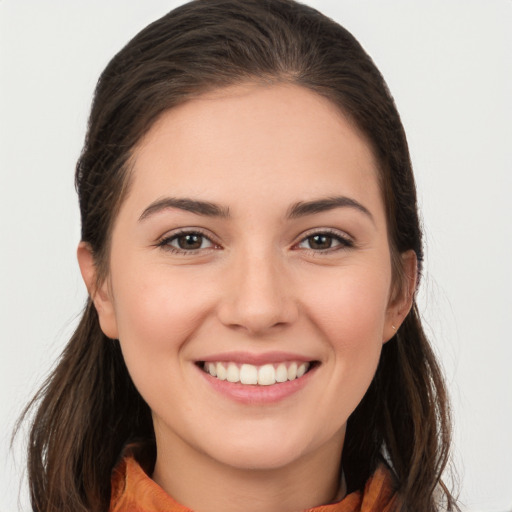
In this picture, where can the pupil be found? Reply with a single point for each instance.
(190, 242)
(320, 242)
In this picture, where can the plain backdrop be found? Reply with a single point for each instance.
(448, 64)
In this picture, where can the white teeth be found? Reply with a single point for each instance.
(281, 373)
(248, 374)
(292, 371)
(265, 375)
(211, 369)
(301, 370)
(233, 374)
(221, 371)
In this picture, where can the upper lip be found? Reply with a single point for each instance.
(256, 359)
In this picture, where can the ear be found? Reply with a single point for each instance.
(401, 302)
(100, 294)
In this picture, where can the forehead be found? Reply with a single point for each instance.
(264, 140)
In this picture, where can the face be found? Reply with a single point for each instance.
(250, 279)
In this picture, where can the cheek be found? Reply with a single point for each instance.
(157, 313)
(351, 318)
(352, 311)
(156, 317)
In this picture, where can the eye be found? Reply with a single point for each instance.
(324, 241)
(186, 241)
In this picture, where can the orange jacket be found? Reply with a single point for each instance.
(134, 491)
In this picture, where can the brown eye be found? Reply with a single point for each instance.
(186, 242)
(320, 242)
(190, 242)
(324, 242)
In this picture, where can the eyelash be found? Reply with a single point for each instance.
(165, 242)
(343, 241)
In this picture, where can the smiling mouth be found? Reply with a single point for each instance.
(264, 375)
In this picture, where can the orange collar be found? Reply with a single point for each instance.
(134, 491)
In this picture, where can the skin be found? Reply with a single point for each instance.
(256, 284)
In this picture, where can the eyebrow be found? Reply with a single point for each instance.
(297, 210)
(204, 208)
(304, 208)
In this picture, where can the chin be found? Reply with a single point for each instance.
(258, 458)
(264, 451)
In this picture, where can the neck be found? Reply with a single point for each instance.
(203, 484)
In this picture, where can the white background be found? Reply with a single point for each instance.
(449, 66)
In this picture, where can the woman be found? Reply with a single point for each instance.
(251, 247)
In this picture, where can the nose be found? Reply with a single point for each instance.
(258, 295)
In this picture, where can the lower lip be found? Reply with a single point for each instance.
(259, 395)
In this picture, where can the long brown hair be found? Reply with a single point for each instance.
(88, 409)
